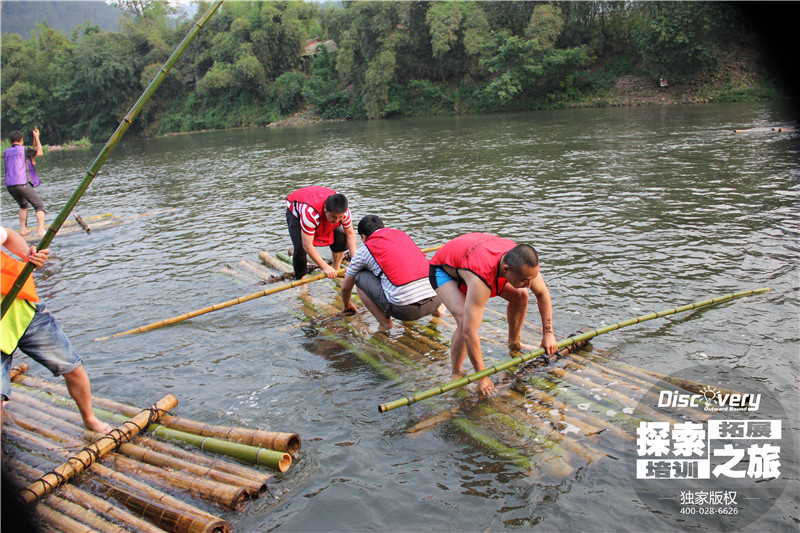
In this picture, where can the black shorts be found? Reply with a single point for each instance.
(26, 196)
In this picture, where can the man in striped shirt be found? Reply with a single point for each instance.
(318, 216)
(390, 274)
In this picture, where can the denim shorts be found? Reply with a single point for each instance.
(46, 343)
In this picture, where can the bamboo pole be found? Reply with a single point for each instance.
(566, 342)
(96, 450)
(230, 303)
(18, 370)
(160, 508)
(89, 500)
(105, 152)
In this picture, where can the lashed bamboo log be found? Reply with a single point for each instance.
(69, 422)
(270, 261)
(498, 415)
(89, 500)
(257, 270)
(96, 450)
(273, 440)
(217, 464)
(87, 518)
(18, 370)
(220, 493)
(191, 518)
(241, 276)
(61, 522)
(162, 509)
(105, 152)
(441, 389)
(278, 460)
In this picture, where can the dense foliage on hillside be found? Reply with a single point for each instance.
(20, 17)
(253, 64)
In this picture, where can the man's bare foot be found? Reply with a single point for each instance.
(521, 348)
(440, 311)
(384, 326)
(97, 425)
(24, 232)
(42, 232)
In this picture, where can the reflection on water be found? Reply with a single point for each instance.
(632, 210)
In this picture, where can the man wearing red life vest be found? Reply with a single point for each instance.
(318, 216)
(470, 269)
(29, 327)
(21, 178)
(390, 274)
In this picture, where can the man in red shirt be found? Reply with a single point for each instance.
(318, 216)
(470, 269)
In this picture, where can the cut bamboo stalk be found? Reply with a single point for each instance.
(61, 522)
(89, 500)
(257, 270)
(152, 499)
(502, 450)
(18, 370)
(213, 491)
(241, 276)
(270, 261)
(96, 450)
(87, 518)
(69, 422)
(243, 452)
(217, 464)
(273, 440)
(218, 493)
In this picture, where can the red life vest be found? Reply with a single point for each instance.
(315, 197)
(399, 258)
(479, 253)
(8, 275)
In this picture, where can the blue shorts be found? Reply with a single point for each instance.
(46, 343)
(438, 276)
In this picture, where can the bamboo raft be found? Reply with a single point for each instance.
(129, 481)
(88, 224)
(554, 415)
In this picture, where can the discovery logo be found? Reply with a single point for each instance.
(713, 400)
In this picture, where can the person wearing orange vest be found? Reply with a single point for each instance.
(28, 327)
(474, 267)
(390, 274)
(318, 216)
(21, 178)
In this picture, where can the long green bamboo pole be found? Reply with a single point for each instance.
(230, 303)
(441, 389)
(106, 151)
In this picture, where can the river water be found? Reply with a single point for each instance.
(632, 210)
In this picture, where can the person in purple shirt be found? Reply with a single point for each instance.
(21, 178)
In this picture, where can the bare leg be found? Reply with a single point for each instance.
(81, 391)
(40, 222)
(454, 301)
(23, 222)
(338, 257)
(516, 311)
(385, 324)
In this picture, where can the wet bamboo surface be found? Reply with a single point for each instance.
(551, 418)
(142, 484)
